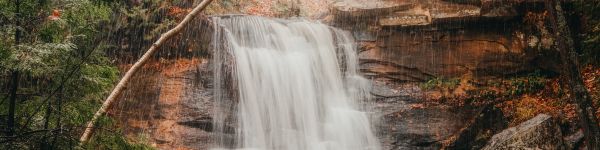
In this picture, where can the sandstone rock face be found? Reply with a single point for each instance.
(400, 41)
(172, 102)
(420, 54)
(170, 105)
(541, 132)
(415, 40)
(426, 12)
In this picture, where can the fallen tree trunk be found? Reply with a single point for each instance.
(571, 75)
(123, 82)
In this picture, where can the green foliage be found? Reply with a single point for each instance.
(4, 55)
(113, 139)
(64, 60)
(441, 83)
(591, 33)
(52, 31)
(139, 23)
(39, 59)
(528, 84)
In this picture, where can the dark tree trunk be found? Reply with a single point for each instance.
(571, 75)
(45, 143)
(58, 116)
(12, 102)
(48, 115)
(14, 77)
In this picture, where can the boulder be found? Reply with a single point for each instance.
(541, 132)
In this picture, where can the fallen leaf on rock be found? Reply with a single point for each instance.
(417, 106)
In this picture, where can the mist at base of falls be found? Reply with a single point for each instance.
(294, 86)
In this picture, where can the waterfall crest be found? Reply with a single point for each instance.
(295, 86)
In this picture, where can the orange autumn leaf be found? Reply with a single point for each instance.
(417, 106)
(55, 15)
(176, 11)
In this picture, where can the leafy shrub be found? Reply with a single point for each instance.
(440, 83)
(529, 84)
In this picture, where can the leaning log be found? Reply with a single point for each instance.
(123, 82)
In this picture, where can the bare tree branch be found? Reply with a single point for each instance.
(121, 85)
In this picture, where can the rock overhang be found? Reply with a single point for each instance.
(411, 13)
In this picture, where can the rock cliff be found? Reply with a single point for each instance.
(400, 41)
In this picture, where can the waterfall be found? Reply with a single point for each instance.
(288, 85)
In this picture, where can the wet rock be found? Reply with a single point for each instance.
(171, 104)
(412, 17)
(500, 12)
(203, 124)
(422, 128)
(420, 54)
(541, 132)
(451, 38)
(437, 126)
(404, 122)
(487, 122)
(445, 12)
(406, 44)
(471, 2)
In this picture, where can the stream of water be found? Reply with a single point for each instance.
(295, 86)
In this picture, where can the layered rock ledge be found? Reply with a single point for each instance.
(416, 40)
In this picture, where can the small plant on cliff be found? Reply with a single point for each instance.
(441, 83)
(528, 84)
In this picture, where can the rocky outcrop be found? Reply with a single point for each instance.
(421, 128)
(368, 8)
(419, 54)
(409, 121)
(417, 40)
(427, 12)
(170, 105)
(401, 41)
(488, 121)
(541, 132)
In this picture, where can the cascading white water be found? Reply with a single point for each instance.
(296, 84)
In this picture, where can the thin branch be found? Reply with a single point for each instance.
(121, 85)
